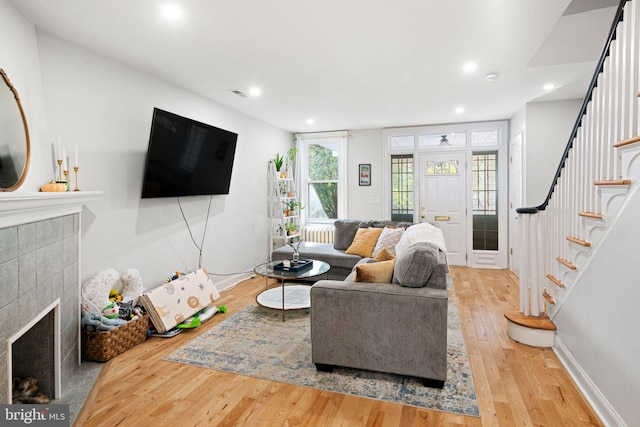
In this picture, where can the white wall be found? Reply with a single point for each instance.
(598, 321)
(548, 126)
(365, 202)
(19, 59)
(105, 108)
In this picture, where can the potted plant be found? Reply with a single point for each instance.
(291, 228)
(278, 161)
(291, 159)
(291, 205)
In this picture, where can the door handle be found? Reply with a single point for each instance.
(442, 218)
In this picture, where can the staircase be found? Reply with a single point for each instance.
(598, 172)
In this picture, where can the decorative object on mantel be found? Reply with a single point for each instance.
(15, 165)
(53, 187)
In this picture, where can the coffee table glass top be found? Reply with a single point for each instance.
(318, 268)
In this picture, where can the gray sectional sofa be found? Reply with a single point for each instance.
(399, 326)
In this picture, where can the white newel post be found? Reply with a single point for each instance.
(529, 270)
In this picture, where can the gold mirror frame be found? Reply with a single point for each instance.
(27, 160)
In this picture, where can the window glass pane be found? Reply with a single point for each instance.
(485, 201)
(484, 138)
(402, 142)
(322, 200)
(323, 161)
(442, 141)
(402, 187)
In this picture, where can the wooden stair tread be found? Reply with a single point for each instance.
(567, 263)
(542, 322)
(555, 280)
(614, 182)
(626, 142)
(591, 215)
(579, 242)
(548, 298)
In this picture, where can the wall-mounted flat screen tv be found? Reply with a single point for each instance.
(187, 157)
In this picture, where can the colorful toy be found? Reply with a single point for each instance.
(100, 323)
(111, 311)
(202, 316)
(114, 296)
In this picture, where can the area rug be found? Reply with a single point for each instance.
(256, 342)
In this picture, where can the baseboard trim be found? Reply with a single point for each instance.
(601, 406)
(223, 283)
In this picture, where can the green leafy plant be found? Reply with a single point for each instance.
(278, 161)
(291, 154)
(291, 228)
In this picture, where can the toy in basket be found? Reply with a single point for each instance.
(101, 346)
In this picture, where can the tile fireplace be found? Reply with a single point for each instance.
(40, 288)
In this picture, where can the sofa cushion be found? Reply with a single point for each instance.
(384, 255)
(388, 239)
(415, 265)
(345, 231)
(364, 242)
(375, 272)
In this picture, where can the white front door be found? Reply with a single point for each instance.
(443, 199)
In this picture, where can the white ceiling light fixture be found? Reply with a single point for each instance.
(470, 67)
(491, 77)
(310, 121)
(255, 91)
(459, 110)
(171, 12)
(549, 86)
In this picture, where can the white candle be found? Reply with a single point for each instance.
(76, 164)
(59, 150)
(64, 159)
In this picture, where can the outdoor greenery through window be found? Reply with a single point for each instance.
(402, 187)
(322, 183)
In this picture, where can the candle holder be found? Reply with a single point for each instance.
(75, 169)
(66, 179)
(60, 170)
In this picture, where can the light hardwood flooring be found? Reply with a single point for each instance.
(516, 385)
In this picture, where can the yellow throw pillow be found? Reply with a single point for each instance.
(375, 272)
(384, 255)
(364, 242)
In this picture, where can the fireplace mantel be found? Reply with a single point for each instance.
(20, 208)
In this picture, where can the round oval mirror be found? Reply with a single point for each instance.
(15, 152)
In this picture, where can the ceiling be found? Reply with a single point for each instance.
(348, 64)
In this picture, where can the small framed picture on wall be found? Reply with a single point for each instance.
(364, 170)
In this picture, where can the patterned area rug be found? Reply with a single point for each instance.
(256, 343)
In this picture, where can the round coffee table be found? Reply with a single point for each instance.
(290, 297)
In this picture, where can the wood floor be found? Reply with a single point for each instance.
(516, 385)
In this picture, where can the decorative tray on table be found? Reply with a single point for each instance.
(303, 264)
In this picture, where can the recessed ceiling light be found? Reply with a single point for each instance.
(310, 121)
(459, 110)
(171, 12)
(255, 91)
(470, 66)
(549, 86)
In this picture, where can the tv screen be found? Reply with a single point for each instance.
(187, 157)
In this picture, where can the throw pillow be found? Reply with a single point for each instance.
(415, 265)
(345, 231)
(384, 255)
(388, 239)
(375, 272)
(364, 242)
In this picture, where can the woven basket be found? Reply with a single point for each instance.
(101, 346)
